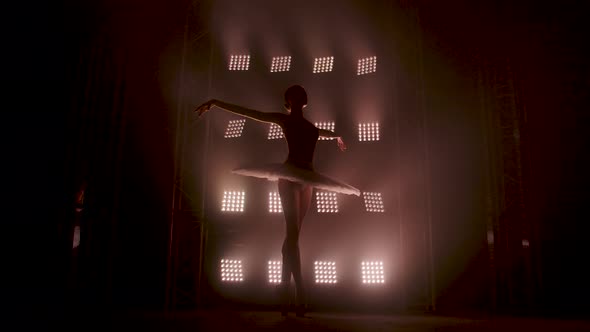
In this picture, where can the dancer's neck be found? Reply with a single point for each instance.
(296, 112)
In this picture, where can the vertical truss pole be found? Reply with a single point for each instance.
(398, 203)
(524, 227)
(424, 118)
(202, 214)
(170, 295)
(512, 226)
(490, 198)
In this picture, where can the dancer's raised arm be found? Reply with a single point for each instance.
(277, 118)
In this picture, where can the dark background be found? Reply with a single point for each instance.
(86, 104)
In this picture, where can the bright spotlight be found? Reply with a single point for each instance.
(327, 126)
(234, 128)
(233, 201)
(372, 272)
(231, 270)
(239, 62)
(326, 202)
(323, 65)
(325, 272)
(367, 65)
(373, 202)
(369, 131)
(275, 131)
(280, 63)
(274, 272)
(274, 202)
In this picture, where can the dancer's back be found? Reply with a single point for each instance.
(302, 137)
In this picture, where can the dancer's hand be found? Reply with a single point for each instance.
(341, 144)
(204, 107)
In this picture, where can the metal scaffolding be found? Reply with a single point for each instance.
(509, 230)
(187, 226)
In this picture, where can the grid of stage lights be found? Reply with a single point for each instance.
(372, 273)
(239, 62)
(234, 128)
(367, 65)
(280, 63)
(326, 202)
(274, 202)
(325, 272)
(275, 131)
(231, 270)
(233, 201)
(369, 131)
(323, 65)
(274, 272)
(373, 202)
(327, 126)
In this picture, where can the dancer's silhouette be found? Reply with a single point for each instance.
(296, 177)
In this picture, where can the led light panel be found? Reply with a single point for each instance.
(274, 202)
(373, 202)
(233, 201)
(231, 270)
(234, 128)
(367, 65)
(327, 126)
(326, 202)
(369, 131)
(323, 65)
(239, 62)
(275, 131)
(274, 272)
(372, 272)
(325, 272)
(280, 63)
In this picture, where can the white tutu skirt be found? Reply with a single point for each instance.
(287, 171)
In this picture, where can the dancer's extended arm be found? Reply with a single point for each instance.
(331, 134)
(243, 111)
(328, 133)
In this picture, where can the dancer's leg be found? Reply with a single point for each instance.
(289, 193)
(304, 202)
(305, 196)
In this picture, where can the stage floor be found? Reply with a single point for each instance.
(226, 320)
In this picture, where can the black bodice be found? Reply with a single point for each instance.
(302, 137)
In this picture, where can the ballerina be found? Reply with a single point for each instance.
(296, 177)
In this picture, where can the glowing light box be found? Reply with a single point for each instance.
(274, 202)
(372, 272)
(231, 270)
(367, 65)
(369, 131)
(373, 202)
(275, 131)
(280, 64)
(239, 62)
(274, 272)
(234, 128)
(326, 202)
(233, 201)
(323, 65)
(325, 272)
